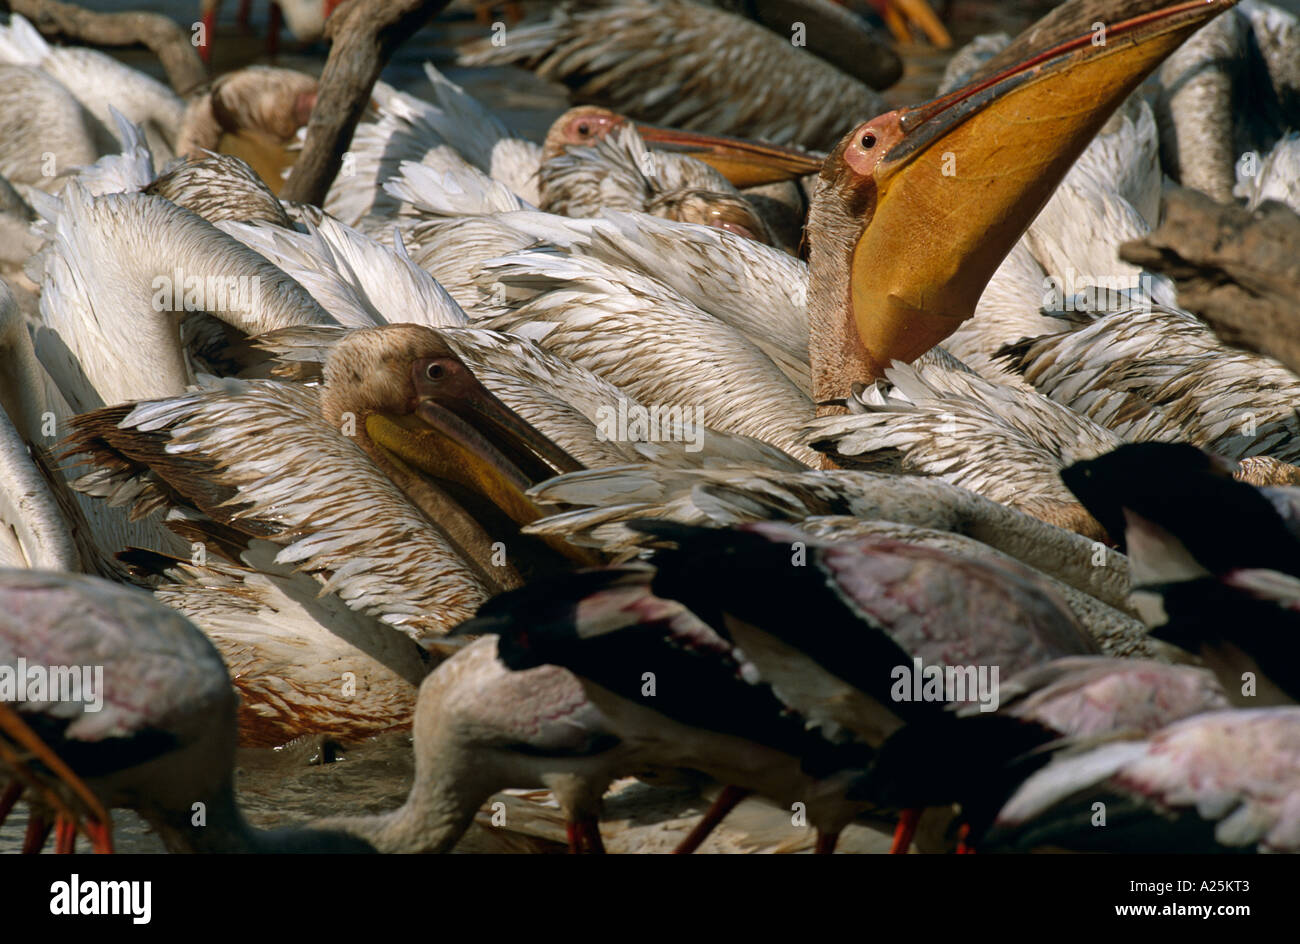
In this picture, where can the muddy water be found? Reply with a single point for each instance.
(284, 788)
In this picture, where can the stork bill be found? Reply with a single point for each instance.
(931, 198)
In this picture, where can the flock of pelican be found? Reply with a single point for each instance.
(745, 434)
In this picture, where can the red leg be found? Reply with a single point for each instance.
(242, 17)
(38, 830)
(584, 836)
(592, 843)
(907, 821)
(727, 801)
(9, 798)
(65, 836)
(101, 836)
(826, 843)
(963, 840)
(209, 34)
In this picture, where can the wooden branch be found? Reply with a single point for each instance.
(1239, 271)
(167, 39)
(364, 35)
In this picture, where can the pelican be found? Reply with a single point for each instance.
(454, 130)
(220, 187)
(662, 45)
(865, 262)
(254, 113)
(1210, 79)
(72, 93)
(619, 173)
(1161, 374)
(379, 501)
(99, 84)
(1010, 444)
(1277, 177)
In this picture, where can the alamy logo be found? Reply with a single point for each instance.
(22, 682)
(946, 683)
(632, 422)
(75, 897)
(1096, 293)
(181, 291)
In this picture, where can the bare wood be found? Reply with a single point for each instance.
(1239, 271)
(168, 40)
(364, 35)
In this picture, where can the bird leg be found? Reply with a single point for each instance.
(38, 830)
(907, 822)
(963, 840)
(101, 836)
(919, 12)
(894, 22)
(9, 798)
(826, 843)
(65, 835)
(899, 15)
(584, 836)
(209, 21)
(18, 732)
(726, 801)
(242, 18)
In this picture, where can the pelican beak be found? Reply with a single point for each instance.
(959, 179)
(743, 163)
(472, 439)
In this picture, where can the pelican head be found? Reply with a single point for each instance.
(743, 163)
(915, 209)
(253, 114)
(456, 450)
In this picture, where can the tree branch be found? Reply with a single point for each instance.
(169, 41)
(364, 35)
(1239, 271)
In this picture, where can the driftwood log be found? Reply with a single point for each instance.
(166, 38)
(1239, 271)
(364, 34)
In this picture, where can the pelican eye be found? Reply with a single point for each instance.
(868, 140)
(434, 371)
(584, 129)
